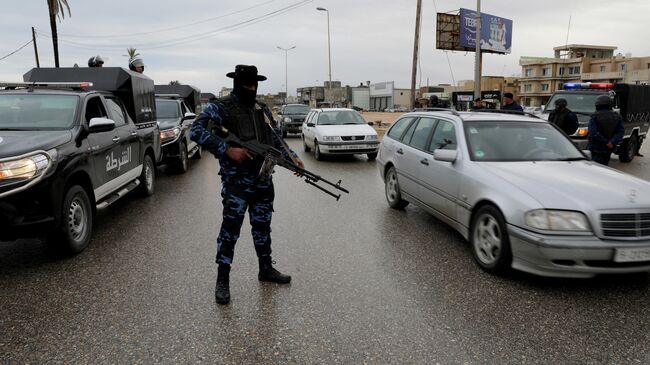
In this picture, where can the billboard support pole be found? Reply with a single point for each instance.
(414, 70)
(478, 61)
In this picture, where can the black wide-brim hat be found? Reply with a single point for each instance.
(246, 73)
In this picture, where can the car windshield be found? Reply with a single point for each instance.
(37, 112)
(340, 117)
(518, 141)
(296, 109)
(167, 109)
(576, 102)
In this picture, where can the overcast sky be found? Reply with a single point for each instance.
(199, 41)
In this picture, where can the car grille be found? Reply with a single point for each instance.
(353, 138)
(625, 225)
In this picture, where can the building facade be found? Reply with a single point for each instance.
(384, 95)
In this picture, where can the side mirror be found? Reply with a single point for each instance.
(587, 153)
(371, 124)
(445, 155)
(311, 125)
(100, 125)
(189, 115)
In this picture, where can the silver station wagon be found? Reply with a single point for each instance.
(519, 191)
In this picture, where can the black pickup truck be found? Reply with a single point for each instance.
(176, 108)
(73, 140)
(291, 117)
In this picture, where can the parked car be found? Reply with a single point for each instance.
(519, 191)
(69, 148)
(338, 131)
(291, 117)
(175, 120)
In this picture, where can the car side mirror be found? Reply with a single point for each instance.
(189, 115)
(371, 124)
(311, 125)
(100, 125)
(445, 155)
(587, 153)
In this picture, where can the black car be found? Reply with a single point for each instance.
(68, 148)
(175, 119)
(290, 118)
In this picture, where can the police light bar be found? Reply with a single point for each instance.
(74, 85)
(587, 85)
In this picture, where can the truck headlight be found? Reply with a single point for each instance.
(557, 220)
(287, 120)
(24, 168)
(331, 138)
(371, 138)
(582, 132)
(169, 133)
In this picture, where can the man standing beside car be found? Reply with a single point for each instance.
(241, 188)
(509, 103)
(564, 118)
(606, 130)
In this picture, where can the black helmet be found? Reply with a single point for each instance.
(561, 102)
(95, 61)
(136, 62)
(603, 100)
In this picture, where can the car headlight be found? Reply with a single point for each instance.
(371, 138)
(557, 220)
(24, 168)
(331, 138)
(170, 133)
(287, 120)
(582, 132)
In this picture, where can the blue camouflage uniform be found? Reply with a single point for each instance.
(240, 188)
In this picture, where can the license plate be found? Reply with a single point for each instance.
(632, 254)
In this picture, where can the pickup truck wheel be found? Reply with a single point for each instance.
(147, 177)
(629, 149)
(284, 133)
(197, 154)
(76, 221)
(181, 165)
(304, 145)
(393, 192)
(372, 156)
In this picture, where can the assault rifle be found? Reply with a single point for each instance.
(272, 156)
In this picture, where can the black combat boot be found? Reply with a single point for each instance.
(222, 290)
(268, 273)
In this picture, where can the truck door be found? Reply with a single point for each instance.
(101, 146)
(127, 150)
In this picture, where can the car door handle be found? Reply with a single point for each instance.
(116, 139)
(400, 152)
(424, 161)
(134, 133)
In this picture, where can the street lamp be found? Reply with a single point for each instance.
(329, 54)
(286, 72)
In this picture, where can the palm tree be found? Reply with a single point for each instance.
(57, 10)
(131, 53)
(174, 82)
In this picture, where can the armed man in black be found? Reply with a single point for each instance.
(242, 188)
(606, 130)
(564, 118)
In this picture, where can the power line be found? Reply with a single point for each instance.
(21, 47)
(167, 29)
(195, 37)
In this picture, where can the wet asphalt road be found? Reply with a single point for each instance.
(370, 285)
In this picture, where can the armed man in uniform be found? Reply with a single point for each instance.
(606, 130)
(242, 188)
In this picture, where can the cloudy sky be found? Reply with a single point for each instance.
(199, 41)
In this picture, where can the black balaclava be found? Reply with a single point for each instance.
(247, 97)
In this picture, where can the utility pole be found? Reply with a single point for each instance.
(416, 46)
(38, 64)
(286, 72)
(477, 62)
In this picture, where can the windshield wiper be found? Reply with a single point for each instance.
(571, 159)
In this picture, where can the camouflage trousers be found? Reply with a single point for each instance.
(237, 197)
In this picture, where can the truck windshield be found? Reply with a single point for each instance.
(296, 109)
(167, 109)
(37, 112)
(576, 102)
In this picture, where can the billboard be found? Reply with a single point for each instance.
(496, 32)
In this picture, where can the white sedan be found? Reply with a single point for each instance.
(338, 131)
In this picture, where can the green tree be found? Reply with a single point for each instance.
(57, 10)
(175, 82)
(131, 52)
